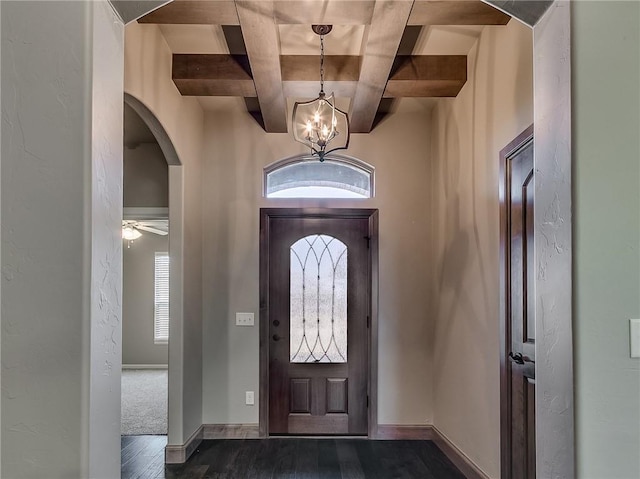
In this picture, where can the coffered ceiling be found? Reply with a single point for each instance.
(265, 51)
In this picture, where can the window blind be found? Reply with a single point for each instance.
(161, 299)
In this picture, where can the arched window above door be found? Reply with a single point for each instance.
(305, 177)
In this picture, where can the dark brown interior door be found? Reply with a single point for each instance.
(519, 363)
(319, 299)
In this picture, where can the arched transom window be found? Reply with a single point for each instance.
(305, 177)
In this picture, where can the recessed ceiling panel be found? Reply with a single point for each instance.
(195, 38)
(447, 40)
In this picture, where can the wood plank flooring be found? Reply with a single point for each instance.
(290, 458)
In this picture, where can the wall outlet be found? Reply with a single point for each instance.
(249, 399)
(634, 337)
(244, 319)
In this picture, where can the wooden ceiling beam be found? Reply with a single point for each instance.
(261, 39)
(213, 75)
(294, 12)
(383, 39)
(208, 12)
(230, 75)
(427, 76)
(456, 12)
(332, 12)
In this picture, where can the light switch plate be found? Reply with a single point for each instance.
(244, 319)
(634, 334)
(249, 398)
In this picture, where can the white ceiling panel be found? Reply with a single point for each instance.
(300, 40)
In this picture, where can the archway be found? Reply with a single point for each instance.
(550, 22)
(88, 442)
(176, 253)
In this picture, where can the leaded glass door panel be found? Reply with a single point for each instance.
(319, 297)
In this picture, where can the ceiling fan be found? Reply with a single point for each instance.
(131, 229)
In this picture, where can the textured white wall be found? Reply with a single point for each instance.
(606, 122)
(61, 184)
(552, 159)
(148, 79)
(107, 73)
(236, 150)
(469, 131)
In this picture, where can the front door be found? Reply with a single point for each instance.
(518, 396)
(319, 297)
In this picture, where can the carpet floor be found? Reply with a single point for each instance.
(144, 401)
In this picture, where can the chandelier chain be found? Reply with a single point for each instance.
(321, 63)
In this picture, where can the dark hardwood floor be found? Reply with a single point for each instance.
(291, 458)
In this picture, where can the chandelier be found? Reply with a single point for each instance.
(318, 124)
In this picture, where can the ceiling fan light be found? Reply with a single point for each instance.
(129, 233)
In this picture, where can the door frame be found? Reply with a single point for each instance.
(266, 214)
(505, 299)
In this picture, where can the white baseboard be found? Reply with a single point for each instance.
(145, 366)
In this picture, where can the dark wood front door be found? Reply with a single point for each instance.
(319, 297)
(518, 362)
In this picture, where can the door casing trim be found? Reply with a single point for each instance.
(266, 214)
(505, 299)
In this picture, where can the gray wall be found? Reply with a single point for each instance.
(137, 301)
(236, 150)
(146, 177)
(606, 98)
(468, 133)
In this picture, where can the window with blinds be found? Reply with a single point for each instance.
(161, 299)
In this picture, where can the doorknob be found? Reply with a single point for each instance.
(518, 358)
(276, 337)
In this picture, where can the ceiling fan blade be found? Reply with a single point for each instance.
(151, 230)
(160, 224)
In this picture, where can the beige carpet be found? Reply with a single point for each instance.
(144, 401)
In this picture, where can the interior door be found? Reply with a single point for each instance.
(518, 395)
(318, 308)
